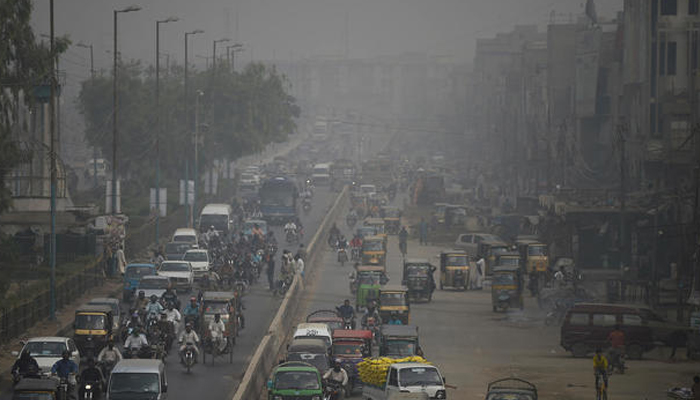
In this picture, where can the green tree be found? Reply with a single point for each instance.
(24, 64)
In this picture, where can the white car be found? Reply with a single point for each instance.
(199, 259)
(249, 181)
(187, 235)
(46, 350)
(179, 272)
(154, 284)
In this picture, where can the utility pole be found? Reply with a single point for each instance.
(189, 215)
(52, 155)
(621, 131)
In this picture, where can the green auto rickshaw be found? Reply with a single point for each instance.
(506, 288)
(368, 281)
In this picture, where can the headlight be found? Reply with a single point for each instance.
(440, 394)
(88, 387)
(316, 398)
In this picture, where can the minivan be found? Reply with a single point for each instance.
(137, 378)
(216, 215)
(586, 327)
(187, 235)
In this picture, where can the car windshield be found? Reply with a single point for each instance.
(218, 221)
(299, 380)
(31, 396)
(45, 349)
(374, 245)
(539, 250)
(400, 348)
(509, 396)
(347, 349)
(185, 238)
(215, 307)
(457, 260)
(421, 376)
(369, 278)
(196, 256)
(417, 271)
(176, 248)
(138, 272)
(320, 361)
(134, 383)
(154, 284)
(89, 321)
(392, 299)
(503, 279)
(174, 267)
(499, 250)
(510, 261)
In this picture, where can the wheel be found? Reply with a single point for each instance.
(579, 350)
(635, 352)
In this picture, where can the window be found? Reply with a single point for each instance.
(466, 238)
(669, 7)
(631, 320)
(662, 58)
(694, 51)
(604, 319)
(693, 7)
(671, 61)
(578, 319)
(393, 378)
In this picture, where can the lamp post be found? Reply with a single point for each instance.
(231, 54)
(158, 22)
(92, 79)
(53, 177)
(115, 108)
(187, 125)
(196, 149)
(213, 61)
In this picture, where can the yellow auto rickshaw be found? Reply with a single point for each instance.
(377, 223)
(533, 254)
(506, 288)
(374, 251)
(393, 300)
(92, 328)
(392, 220)
(454, 269)
(489, 250)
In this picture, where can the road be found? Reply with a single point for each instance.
(219, 380)
(473, 346)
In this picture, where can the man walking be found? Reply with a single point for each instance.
(271, 271)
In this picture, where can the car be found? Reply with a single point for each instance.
(179, 272)
(132, 278)
(176, 250)
(154, 284)
(49, 349)
(187, 235)
(199, 260)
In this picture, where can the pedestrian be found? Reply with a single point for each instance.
(271, 271)
(423, 231)
(696, 387)
(480, 268)
(299, 265)
(121, 259)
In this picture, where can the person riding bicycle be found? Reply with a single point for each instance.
(600, 367)
(616, 338)
(217, 330)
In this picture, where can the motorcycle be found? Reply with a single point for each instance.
(342, 256)
(188, 357)
(332, 390)
(283, 286)
(291, 236)
(306, 204)
(355, 254)
(90, 390)
(144, 352)
(106, 367)
(348, 323)
(65, 387)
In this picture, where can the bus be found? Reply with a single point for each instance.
(278, 199)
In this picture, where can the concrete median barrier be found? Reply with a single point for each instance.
(273, 345)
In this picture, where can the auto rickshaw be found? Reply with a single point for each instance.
(511, 388)
(328, 317)
(373, 251)
(534, 256)
(439, 211)
(368, 280)
(508, 258)
(350, 347)
(36, 389)
(377, 223)
(506, 288)
(489, 250)
(92, 328)
(418, 278)
(454, 269)
(399, 341)
(224, 304)
(393, 299)
(392, 220)
(365, 231)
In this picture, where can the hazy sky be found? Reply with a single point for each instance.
(297, 28)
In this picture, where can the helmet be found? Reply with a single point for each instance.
(154, 297)
(142, 293)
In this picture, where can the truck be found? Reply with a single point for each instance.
(407, 377)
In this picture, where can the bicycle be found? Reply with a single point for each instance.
(601, 386)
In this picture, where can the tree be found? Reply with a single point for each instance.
(24, 64)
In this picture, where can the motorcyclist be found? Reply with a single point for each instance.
(372, 312)
(217, 330)
(64, 368)
(170, 297)
(356, 242)
(167, 329)
(290, 227)
(600, 367)
(25, 365)
(109, 356)
(342, 243)
(337, 374)
(135, 342)
(141, 301)
(257, 232)
(172, 314)
(334, 232)
(346, 311)
(153, 308)
(188, 337)
(191, 310)
(93, 376)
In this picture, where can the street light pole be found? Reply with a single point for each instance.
(54, 177)
(213, 61)
(92, 81)
(231, 54)
(115, 109)
(187, 127)
(165, 21)
(196, 148)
